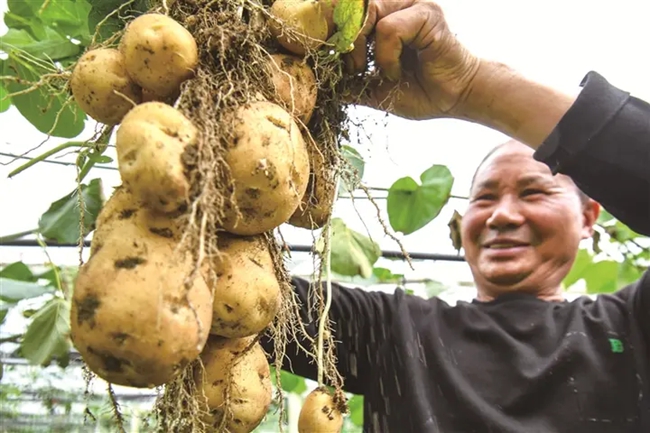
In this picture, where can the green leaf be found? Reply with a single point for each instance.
(4, 310)
(352, 253)
(101, 9)
(21, 16)
(349, 16)
(384, 275)
(18, 271)
(582, 262)
(13, 291)
(53, 46)
(61, 221)
(412, 206)
(292, 383)
(69, 17)
(352, 173)
(47, 334)
(355, 405)
(50, 110)
(434, 288)
(628, 273)
(5, 100)
(602, 277)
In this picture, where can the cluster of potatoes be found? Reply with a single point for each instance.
(139, 314)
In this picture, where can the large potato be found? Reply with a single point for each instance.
(318, 202)
(151, 144)
(123, 209)
(247, 293)
(159, 53)
(250, 392)
(101, 86)
(306, 18)
(320, 413)
(269, 164)
(135, 319)
(295, 85)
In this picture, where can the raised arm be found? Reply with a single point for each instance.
(361, 322)
(600, 137)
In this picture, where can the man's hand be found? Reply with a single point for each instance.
(429, 74)
(426, 71)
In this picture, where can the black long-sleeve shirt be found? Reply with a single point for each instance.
(517, 364)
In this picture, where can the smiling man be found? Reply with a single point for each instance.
(519, 358)
(523, 225)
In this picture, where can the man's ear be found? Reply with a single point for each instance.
(590, 213)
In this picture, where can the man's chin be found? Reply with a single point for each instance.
(507, 281)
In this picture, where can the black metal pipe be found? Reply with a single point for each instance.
(389, 254)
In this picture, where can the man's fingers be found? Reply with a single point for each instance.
(411, 27)
(377, 9)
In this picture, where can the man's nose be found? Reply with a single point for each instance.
(506, 214)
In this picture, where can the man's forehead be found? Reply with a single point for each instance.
(513, 162)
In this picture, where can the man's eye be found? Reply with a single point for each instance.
(484, 197)
(529, 192)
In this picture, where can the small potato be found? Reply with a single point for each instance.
(151, 145)
(269, 165)
(159, 53)
(295, 85)
(135, 319)
(247, 293)
(320, 413)
(318, 202)
(102, 87)
(307, 18)
(250, 387)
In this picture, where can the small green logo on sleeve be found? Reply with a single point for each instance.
(616, 344)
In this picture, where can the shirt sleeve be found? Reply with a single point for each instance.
(603, 144)
(360, 321)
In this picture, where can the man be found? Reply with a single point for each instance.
(519, 358)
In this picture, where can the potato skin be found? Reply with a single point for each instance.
(247, 292)
(295, 85)
(151, 144)
(319, 413)
(318, 202)
(269, 165)
(306, 17)
(131, 318)
(159, 53)
(98, 79)
(250, 391)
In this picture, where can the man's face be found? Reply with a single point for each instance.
(523, 225)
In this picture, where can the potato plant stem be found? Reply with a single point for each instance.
(45, 155)
(328, 291)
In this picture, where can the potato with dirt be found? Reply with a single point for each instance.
(318, 202)
(247, 293)
(269, 166)
(119, 210)
(306, 20)
(135, 318)
(237, 369)
(320, 413)
(102, 87)
(159, 53)
(295, 85)
(153, 145)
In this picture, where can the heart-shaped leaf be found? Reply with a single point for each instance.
(412, 206)
(13, 290)
(47, 335)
